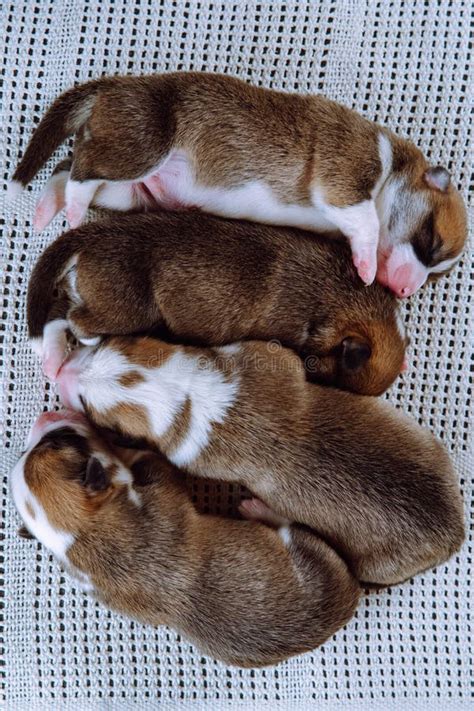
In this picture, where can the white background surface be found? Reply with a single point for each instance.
(404, 64)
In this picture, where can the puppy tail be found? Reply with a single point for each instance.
(43, 304)
(67, 114)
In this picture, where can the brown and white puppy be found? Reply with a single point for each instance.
(216, 143)
(374, 484)
(129, 533)
(216, 281)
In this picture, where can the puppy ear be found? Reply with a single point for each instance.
(438, 178)
(355, 353)
(95, 478)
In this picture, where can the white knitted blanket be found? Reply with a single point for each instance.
(404, 64)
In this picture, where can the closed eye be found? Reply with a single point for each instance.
(427, 243)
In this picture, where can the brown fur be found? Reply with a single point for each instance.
(233, 587)
(234, 133)
(170, 271)
(129, 380)
(368, 479)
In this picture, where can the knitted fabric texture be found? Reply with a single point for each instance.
(403, 64)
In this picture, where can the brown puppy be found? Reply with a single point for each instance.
(243, 592)
(215, 281)
(214, 142)
(374, 484)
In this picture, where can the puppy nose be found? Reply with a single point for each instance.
(402, 281)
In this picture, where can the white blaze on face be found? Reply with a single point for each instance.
(34, 515)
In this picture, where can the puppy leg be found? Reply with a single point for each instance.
(255, 510)
(79, 195)
(86, 327)
(123, 196)
(360, 223)
(53, 347)
(53, 198)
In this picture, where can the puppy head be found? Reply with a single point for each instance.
(426, 230)
(364, 357)
(64, 480)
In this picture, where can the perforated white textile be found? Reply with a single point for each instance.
(404, 64)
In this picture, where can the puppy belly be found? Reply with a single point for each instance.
(173, 186)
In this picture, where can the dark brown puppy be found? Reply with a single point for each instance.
(125, 528)
(372, 482)
(215, 281)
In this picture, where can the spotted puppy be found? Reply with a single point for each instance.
(216, 143)
(375, 485)
(127, 530)
(166, 271)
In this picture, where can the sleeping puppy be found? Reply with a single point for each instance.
(375, 485)
(216, 281)
(216, 143)
(124, 526)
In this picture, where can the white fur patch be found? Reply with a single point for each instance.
(254, 200)
(211, 397)
(445, 265)
(82, 580)
(230, 350)
(54, 346)
(14, 190)
(70, 275)
(162, 394)
(385, 155)
(37, 346)
(358, 222)
(123, 476)
(80, 113)
(396, 197)
(53, 539)
(116, 196)
(400, 323)
(285, 535)
(91, 341)
(79, 196)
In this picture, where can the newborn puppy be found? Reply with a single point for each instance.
(375, 485)
(216, 281)
(214, 142)
(126, 529)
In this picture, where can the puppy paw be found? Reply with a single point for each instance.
(366, 264)
(52, 363)
(46, 209)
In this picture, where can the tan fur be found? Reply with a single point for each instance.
(129, 380)
(233, 587)
(368, 479)
(213, 281)
(451, 222)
